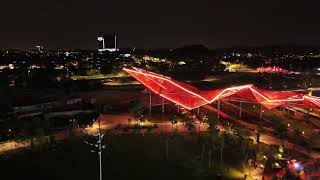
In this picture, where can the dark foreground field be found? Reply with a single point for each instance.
(131, 156)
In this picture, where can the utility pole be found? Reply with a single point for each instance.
(100, 150)
(98, 145)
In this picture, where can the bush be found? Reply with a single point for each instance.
(118, 126)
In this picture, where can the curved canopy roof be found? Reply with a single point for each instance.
(191, 97)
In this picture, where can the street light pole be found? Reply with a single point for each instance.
(100, 150)
(97, 145)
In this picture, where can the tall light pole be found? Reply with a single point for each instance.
(115, 42)
(98, 146)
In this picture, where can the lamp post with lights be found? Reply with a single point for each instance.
(97, 146)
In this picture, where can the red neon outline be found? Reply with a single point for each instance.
(175, 92)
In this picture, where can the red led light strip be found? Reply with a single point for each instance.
(264, 97)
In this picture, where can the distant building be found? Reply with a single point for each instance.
(39, 48)
(108, 43)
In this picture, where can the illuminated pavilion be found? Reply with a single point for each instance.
(190, 97)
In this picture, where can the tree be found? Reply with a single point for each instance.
(189, 125)
(137, 109)
(68, 85)
(91, 72)
(221, 139)
(297, 135)
(280, 128)
(212, 122)
(241, 132)
(173, 120)
(214, 138)
(243, 141)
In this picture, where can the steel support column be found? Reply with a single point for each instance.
(162, 105)
(150, 103)
(218, 109)
(240, 112)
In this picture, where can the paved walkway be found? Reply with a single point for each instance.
(267, 139)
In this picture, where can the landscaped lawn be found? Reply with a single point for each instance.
(130, 156)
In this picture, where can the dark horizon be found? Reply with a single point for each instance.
(58, 24)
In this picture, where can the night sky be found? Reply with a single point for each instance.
(158, 23)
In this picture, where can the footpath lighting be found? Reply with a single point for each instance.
(205, 118)
(296, 165)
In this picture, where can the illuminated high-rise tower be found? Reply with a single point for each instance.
(108, 43)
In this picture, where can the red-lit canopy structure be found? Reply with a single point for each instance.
(191, 97)
(272, 69)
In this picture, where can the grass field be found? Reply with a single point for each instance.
(130, 156)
